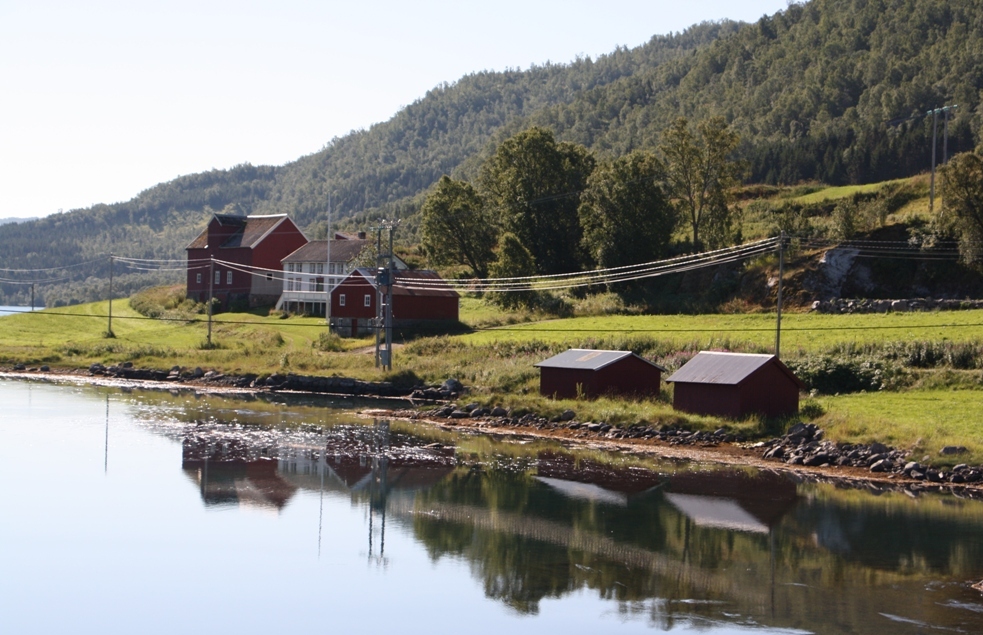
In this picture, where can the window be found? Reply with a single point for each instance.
(290, 284)
(228, 278)
(341, 300)
(290, 267)
(368, 299)
(218, 277)
(269, 275)
(198, 278)
(320, 267)
(319, 285)
(331, 268)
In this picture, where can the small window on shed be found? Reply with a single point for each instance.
(368, 299)
(198, 278)
(218, 277)
(228, 278)
(341, 300)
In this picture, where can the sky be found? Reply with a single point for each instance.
(100, 100)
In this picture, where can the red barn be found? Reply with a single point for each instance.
(594, 373)
(735, 385)
(418, 296)
(250, 241)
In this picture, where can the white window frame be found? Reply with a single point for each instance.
(368, 299)
(341, 300)
(218, 276)
(228, 277)
(198, 278)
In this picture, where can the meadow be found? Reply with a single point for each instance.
(934, 360)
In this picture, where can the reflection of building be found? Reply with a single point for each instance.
(596, 482)
(227, 475)
(731, 499)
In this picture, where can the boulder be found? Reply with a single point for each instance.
(949, 450)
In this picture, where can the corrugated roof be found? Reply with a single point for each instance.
(254, 231)
(712, 367)
(251, 230)
(405, 277)
(587, 359)
(344, 250)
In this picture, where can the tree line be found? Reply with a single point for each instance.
(541, 206)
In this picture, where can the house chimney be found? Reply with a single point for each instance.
(361, 235)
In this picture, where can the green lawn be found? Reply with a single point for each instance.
(921, 420)
(830, 193)
(805, 332)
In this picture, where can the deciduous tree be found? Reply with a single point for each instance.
(700, 172)
(625, 212)
(962, 203)
(535, 183)
(456, 228)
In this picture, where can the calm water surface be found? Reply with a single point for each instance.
(153, 512)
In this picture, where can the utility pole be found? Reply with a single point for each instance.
(109, 330)
(327, 273)
(378, 298)
(931, 189)
(32, 297)
(781, 275)
(211, 281)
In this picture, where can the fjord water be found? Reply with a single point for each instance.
(144, 511)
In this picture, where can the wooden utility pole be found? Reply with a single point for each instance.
(781, 275)
(109, 331)
(211, 281)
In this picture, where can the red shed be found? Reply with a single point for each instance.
(594, 373)
(249, 241)
(735, 385)
(418, 296)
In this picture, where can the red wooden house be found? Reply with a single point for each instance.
(250, 241)
(581, 372)
(418, 296)
(735, 385)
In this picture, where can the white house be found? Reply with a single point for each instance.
(306, 270)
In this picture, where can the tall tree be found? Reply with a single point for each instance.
(962, 203)
(625, 212)
(456, 227)
(535, 183)
(514, 261)
(700, 172)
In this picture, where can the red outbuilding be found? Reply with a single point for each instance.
(245, 241)
(580, 372)
(418, 297)
(735, 385)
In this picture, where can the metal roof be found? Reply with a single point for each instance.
(251, 230)
(404, 282)
(587, 359)
(344, 250)
(712, 367)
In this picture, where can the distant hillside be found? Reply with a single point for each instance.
(4, 221)
(809, 89)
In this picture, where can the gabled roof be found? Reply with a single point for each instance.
(430, 284)
(712, 367)
(250, 230)
(586, 359)
(343, 250)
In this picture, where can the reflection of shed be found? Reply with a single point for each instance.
(592, 481)
(594, 373)
(731, 499)
(735, 385)
(234, 479)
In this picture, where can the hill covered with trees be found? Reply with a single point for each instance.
(809, 91)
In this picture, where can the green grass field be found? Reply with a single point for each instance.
(497, 362)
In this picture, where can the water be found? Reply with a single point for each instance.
(154, 512)
(10, 310)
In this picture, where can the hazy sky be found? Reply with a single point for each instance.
(101, 100)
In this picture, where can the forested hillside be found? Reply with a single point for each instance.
(809, 90)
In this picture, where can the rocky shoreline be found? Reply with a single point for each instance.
(847, 305)
(802, 449)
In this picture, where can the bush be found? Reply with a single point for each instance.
(328, 343)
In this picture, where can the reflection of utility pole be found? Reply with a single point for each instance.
(105, 460)
(379, 492)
